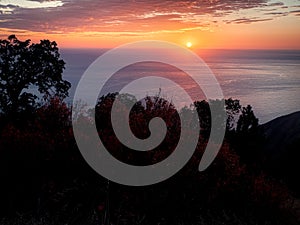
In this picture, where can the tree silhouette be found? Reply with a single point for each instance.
(24, 65)
(233, 108)
(247, 121)
(248, 139)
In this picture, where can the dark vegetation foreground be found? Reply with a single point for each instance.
(45, 180)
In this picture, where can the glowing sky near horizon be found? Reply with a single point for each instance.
(207, 24)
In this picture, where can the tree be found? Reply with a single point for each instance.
(28, 73)
(247, 121)
(233, 108)
(248, 138)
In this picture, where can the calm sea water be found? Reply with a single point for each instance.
(268, 80)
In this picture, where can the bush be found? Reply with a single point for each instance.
(45, 177)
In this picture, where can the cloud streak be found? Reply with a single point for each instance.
(31, 4)
(247, 20)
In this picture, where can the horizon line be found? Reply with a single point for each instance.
(196, 49)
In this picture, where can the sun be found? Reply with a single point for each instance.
(189, 44)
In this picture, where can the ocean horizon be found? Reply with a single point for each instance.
(268, 80)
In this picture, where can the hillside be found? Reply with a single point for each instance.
(281, 132)
(282, 148)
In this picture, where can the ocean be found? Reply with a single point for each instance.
(268, 80)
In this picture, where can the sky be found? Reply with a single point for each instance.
(215, 24)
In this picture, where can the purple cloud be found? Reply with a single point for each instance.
(126, 16)
(246, 20)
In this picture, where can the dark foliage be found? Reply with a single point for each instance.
(44, 178)
(25, 66)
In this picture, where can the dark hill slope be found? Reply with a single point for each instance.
(282, 148)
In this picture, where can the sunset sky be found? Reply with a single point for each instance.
(225, 24)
